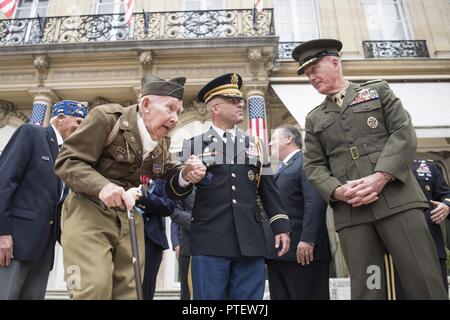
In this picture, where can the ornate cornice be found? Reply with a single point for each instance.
(8, 110)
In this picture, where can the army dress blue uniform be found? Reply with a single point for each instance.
(226, 221)
(227, 241)
(434, 187)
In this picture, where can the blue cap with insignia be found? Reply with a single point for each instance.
(227, 85)
(70, 108)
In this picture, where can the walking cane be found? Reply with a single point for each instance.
(135, 255)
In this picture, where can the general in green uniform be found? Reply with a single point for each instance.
(106, 156)
(359, 145)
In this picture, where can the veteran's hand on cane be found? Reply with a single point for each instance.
(113, 196)
(440, 212)
(194, 170)
(130, 197)
(366, 190)
(305, 253)
(6, 250)
(284, 240)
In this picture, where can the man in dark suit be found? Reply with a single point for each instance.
(303, 273)
(155, 205)
(227, 237)
(180, 234)
(30, 194)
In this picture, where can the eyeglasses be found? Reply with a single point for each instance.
(231, 100)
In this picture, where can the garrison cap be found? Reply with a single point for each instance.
(312, 51)
(227, 85)
(70, 108)
(153, 85)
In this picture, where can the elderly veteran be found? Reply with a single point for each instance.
(30, 197)
(109, 153)
(227, 240)
(359, 145)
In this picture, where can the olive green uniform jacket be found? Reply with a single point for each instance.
(370, 132)
(86, 163)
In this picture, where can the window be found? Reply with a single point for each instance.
(386, 19)
(109, 7)
(31, 8)
(296, 20)
(192, 5)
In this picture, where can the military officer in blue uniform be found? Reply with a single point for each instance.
(437, 191)
(227, 238)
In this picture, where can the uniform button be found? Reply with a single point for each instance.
(148, 219)
(351, 141)
(125, 123)
(133, 139)
(51, 222)
(233, 188)
(192, 219)
(120, 157)
(347, 129)
(233, 175)
(344, 117)
(234, 201)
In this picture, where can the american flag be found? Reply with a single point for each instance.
(8, 7)
(129, 8)
(257, 118)
(259, 6)
(38, 114)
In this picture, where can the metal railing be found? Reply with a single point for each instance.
(396, 49)
(285, 50)
(142, 26)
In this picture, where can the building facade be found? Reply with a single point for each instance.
(85, 50)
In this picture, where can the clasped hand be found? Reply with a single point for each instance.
(194, 170)
(361, 191)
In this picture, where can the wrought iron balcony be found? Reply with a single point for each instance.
(142, 26)
(285, 50)
(396, 49)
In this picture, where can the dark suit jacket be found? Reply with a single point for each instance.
(156, 205)
(435, 188)
(225, 219)
(306, 210)
(181, 224)
(29, 191)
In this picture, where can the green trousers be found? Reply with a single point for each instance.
(97, 250)
(405, 236)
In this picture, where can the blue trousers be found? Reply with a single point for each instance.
(220, 278)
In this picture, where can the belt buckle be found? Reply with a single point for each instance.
(354, 152)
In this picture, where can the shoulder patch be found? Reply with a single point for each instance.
(371, 81)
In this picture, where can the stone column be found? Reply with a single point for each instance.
(257, 115)
(42, 107)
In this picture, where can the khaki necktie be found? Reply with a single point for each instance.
(339, 98)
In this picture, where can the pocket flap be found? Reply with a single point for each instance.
(22, 213)
(323, 125)
(366, 107)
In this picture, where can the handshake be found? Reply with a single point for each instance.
(194, 170)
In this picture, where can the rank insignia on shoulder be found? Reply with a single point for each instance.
(251, 175)
(372, 122)
(365, 95)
